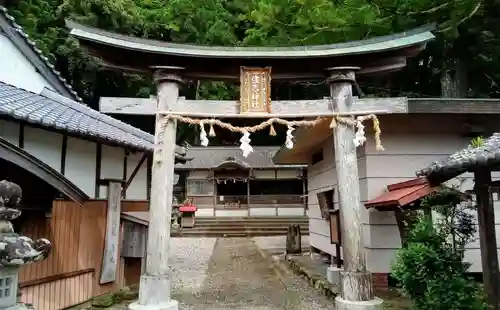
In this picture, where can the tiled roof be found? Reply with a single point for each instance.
(19, 30)
(57, 112)
(487, 154)
(210, 157)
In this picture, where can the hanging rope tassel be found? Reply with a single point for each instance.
(333, 124)
(289, 138)
(376, 128)
(203, 135)
(211, 132)
(272, 132)
(245, 144)
(360, 138)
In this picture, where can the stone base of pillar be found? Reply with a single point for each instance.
(333, 275)
(171, 305)
(154, 294)
(374, 304)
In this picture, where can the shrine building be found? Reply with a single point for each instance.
(219, 180)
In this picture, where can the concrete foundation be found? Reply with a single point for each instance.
(171, 305)
(374, 304)
(154, 294)
(333, 275)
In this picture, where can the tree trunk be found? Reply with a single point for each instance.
(454, 82)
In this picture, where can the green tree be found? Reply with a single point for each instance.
(430, 268)
(467, 43)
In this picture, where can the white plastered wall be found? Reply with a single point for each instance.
(411, 143)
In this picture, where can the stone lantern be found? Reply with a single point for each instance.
(15, 250)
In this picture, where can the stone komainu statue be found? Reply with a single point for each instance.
(16, 250)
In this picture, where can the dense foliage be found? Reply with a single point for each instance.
(467, 43)
(430, 268)
(463, 60)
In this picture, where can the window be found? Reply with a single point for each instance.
(325, 201)
(8, 289)
(317, 157)
(199, 187)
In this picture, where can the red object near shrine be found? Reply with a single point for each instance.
(188, 208)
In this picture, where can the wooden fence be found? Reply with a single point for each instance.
(70, 274)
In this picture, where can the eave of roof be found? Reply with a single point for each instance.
(138, 217)
(211, 156)
(466, 160)
(379, 44)
(60, 113)
(25, 45)
(56, 112)
(402, 194)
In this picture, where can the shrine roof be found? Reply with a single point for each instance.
(53, 111)
(487, 154)
(35, 56)
(213, 156)
(402, 194)
(138, 54)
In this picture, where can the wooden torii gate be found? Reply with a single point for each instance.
(172, 64)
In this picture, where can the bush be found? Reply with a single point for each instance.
(429, 268)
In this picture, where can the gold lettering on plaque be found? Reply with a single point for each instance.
(255, 90)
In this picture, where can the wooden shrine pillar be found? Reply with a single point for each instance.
(487, 236)
(356, 282)
(156, 283)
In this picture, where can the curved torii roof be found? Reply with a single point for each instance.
(374, 55)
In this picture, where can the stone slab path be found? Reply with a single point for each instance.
(236, 277)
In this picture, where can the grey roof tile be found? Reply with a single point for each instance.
(69, 116)
(25, 37)
(55, 111)
(212, 156)
(487, 154)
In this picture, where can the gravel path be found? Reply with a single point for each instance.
(239, 278)
(231, 274)
(189, 259)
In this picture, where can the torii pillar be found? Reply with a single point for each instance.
(156, 282)
(356, 287)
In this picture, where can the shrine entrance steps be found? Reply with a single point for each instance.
(243, 226)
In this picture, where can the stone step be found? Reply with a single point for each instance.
(249, 224)
(185, 233)
(252, 219)
(242, 228)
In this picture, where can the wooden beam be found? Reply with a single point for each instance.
(319, 107)
(134, 173)
(98, 156)
(487, 236)
(272, 115)
(453, 106)
(56, 277)
(397, 105)
(21, 136)
(64, 148)
(124, 171)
